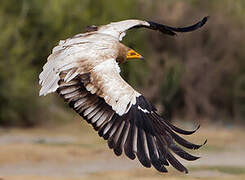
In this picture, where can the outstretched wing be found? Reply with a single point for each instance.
(118, 29)
(123, 117)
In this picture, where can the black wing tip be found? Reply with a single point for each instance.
(197, 128)
(196, 158)
(162, 125)
(161, 169)
(205, 142)
(181, 131)
(192, 27)
(204, 20)
(199, 146)
(131, 156)
(117, 151)
(172, 30)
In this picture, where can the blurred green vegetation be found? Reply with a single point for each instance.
(194, 75)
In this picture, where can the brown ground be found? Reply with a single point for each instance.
(77, 153)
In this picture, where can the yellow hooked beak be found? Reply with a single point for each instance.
(132, 54)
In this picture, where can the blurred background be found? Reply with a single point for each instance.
(193, 78)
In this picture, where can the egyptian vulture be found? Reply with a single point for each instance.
(84, 70)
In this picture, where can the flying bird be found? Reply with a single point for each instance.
(84, 70)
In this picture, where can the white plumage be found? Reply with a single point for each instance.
(118, 29)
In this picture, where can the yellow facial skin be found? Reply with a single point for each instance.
(132, 54)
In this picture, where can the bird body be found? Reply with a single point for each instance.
(85, 71)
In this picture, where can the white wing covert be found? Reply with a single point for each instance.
(118, 29)
(106, 82)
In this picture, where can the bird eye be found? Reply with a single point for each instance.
(132, 54)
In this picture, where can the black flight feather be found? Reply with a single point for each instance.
(171, 30)
(124, 134)
(128, 147)
(141, 151)
(156, 137)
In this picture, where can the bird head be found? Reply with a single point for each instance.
(125, 53)
(132, 54)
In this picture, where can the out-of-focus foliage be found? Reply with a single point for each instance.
(207, 76)
(29, 30)
(199, 74)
